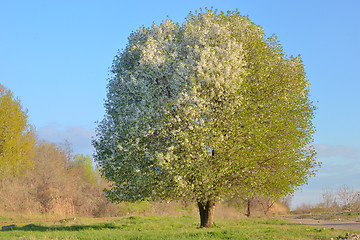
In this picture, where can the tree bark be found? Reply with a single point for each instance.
(207, 213)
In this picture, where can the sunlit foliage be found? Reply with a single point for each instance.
(17, 138)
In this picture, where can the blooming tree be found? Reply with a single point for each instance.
(205, 110)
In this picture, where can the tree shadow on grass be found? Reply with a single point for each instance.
(39, 228)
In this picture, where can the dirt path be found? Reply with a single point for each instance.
(341, 224)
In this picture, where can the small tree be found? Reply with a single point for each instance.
(17, 138)
(205, 110)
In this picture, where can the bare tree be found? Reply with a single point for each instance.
(329, 200)
(347, 197)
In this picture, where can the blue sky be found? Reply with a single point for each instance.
(55, 56)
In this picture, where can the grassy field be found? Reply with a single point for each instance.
(166, 228)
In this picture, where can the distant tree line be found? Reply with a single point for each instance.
(57, 184)
(43, 178)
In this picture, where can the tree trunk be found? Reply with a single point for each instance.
(248, 207)
(207, 213)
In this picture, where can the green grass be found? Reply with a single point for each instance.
(168, 228)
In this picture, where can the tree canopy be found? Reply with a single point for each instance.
(17, 138)
(205, 110)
